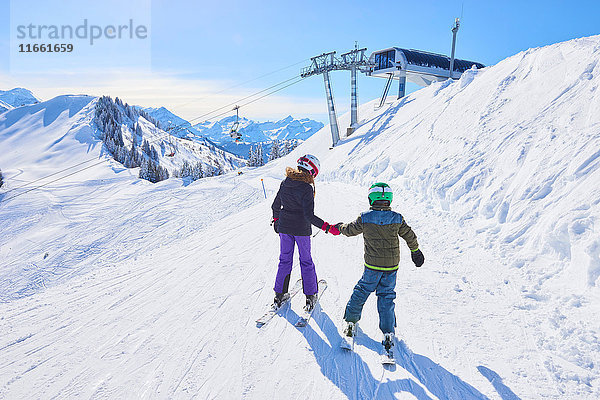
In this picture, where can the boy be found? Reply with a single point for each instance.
(381, 228)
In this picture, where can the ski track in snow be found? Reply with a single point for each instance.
(146, 328)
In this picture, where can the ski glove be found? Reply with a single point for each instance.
(330, 229)
(275, 223)
(417, 257)
(333, 229)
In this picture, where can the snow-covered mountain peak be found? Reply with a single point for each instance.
(18, 97)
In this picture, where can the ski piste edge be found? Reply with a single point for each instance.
(306, 316)
(266, 317)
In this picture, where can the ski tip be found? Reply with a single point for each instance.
(386, 360)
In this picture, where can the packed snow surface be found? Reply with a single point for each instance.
(113, 287)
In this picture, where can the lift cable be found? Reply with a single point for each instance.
(177, 127)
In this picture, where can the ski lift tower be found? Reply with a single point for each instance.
(322, 65)
(354, 60)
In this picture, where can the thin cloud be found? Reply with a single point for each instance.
(186, 98)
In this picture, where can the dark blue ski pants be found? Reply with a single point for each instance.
(383, 284)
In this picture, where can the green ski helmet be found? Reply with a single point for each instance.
(380, 191)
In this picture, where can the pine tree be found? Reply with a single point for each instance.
(250, 162)
(275, 151)
(198, 172)
(145, 170)
(146, 147)
(260, 161)
(219, 169)
(186, 170)
(286, 148)
(1, 179)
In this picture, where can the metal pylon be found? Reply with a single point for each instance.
(454, 32)
(401, 86)
(335, 133)
(353, 98)
(353, 60)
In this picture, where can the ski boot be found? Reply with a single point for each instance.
(311, 301)
(387, 358)
(279, 299)
(350, 329)
(388, 342)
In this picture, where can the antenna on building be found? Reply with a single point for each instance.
(454, 32)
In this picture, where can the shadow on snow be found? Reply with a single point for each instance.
(353, 376)
(503, 390)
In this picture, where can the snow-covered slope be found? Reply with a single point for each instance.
(55, 144)
(61, 133)
(175, 147)
(41, 138)
(497, 173)
(18, 97)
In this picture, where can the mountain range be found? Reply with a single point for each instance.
(253, 132)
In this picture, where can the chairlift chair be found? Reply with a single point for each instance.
(234, 133)
(172, 146)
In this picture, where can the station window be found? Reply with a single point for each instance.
(385, 59)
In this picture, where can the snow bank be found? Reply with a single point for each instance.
(511, 152)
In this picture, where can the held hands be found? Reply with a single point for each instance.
(275, 223)
(330, 229)
(417, 257)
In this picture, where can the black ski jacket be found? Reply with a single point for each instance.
(294, 205)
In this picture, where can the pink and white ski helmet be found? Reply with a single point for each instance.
(310, 163)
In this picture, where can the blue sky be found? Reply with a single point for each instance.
(199, 48)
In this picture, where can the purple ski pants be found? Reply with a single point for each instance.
(286, 259)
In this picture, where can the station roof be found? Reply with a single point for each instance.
(425, 59)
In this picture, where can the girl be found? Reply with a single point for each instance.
(293, 214)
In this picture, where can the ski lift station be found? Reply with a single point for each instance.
(416, 66)
(393, 63)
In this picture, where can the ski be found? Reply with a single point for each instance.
(262, 321)
(307, 315)
(387, 358)
(347, 343)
